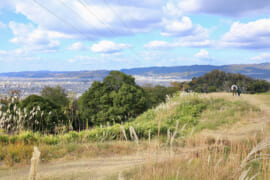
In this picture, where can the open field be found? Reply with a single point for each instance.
(220, 131)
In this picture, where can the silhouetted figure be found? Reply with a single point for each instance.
(234, 89)
(238, 91)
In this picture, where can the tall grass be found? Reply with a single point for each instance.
(222, 160)
(180, 116)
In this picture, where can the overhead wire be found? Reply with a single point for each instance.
(63, 20)
(89, 10)
(83, 3)
(116, 13)
(81, 17)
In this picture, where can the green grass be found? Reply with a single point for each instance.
(197, 111)
(193, 110)
(221, 112)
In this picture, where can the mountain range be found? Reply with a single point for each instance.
(261, 71)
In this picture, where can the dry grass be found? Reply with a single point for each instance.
(18, 154)
(214, 154)
(204, 159)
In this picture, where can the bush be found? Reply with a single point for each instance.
(51, 140)
(29, 137)
(4, 138)
(14, 139)
(71, 136)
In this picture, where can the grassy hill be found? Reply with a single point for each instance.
(211, 134)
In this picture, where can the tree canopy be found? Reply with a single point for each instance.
(56, 95)
(41, 114)
(217, 80)
(115, 99)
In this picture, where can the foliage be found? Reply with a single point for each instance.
(41, 114)
(72, 112)
(258, 86)
(115, 99)
(56, 95)
(157, 94)
(216, 80)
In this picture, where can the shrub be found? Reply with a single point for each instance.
(51, 140)
(4, 138)
(29, 137)
(14, 139)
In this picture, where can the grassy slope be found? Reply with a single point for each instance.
(231, 127)
(201, 113)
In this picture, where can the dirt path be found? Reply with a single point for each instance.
(79, 169)
(100, 168)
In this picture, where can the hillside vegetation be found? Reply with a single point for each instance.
(186, 147)
(190, 112)
(216, 81)
(213, 133)
(115, 100)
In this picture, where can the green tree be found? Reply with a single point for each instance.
(41, 114)
(258, 86)
(114, 99)
(221, 81)
(56, 95)
(128, 102)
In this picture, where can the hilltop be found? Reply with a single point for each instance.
(214, 134)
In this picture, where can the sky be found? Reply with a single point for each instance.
(72, 35)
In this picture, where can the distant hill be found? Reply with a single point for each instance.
(187, 72)
(57, 74)
(180, 72)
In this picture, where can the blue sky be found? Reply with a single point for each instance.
(68, 35)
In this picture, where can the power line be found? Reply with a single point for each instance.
(81, 17)
(116, 13)
(62, 20)
(82, 2)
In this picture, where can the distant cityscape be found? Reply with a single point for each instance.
(28, 86)
(32, 82)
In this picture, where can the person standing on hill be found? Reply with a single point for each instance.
(234, 89)
(238, 91)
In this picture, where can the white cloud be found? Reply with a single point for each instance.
(108, 47)
(159, 45)
(189, 41)
(181, 28)
(176, 27)
(34, 39)
(203, 57)
(188, 34)
(202, 54)
(78, 46)
(18, 54)
(171, 10)
(262, 57)
(94, 19)
(228, 8)
(253, 35)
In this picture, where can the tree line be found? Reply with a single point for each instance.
(116, 99)
(217, 81)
